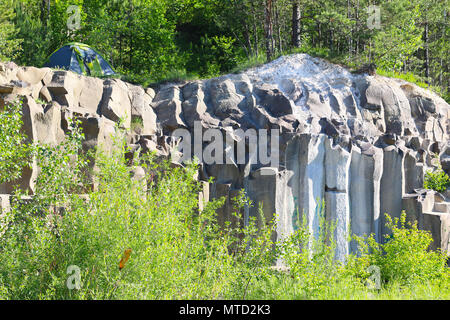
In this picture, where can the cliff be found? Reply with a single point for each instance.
(360, 143)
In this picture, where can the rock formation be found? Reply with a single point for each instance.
(358, 142)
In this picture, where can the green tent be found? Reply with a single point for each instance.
(80, 58)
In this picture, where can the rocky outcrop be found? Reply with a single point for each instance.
(359, 143)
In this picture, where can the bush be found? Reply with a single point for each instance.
(404, 258)
(176, 252)
(15, 152)
(436, 180)
(310, 258)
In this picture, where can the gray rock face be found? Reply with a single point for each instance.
(142, 114)
(116, 104)
(274, 101)
(337, 196)
(365, 176)
(361, 144)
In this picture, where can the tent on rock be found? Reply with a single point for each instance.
(80, 58)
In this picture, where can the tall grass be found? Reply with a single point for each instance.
(177, 252)
(401, 268)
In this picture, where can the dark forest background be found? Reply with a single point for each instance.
(155, 40)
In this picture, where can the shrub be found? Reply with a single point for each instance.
(409, 76)
(177, 252)
(251, 246)
(436, 180)
(310, 257)
(404, 258)
(15, 151)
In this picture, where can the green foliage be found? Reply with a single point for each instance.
(397, 41)
(251, 245)
(15, 151)
(401, 268)
(248, 63)
(177, 251)
(137, 124)
(417, 80)
(9, 42)
(436, 180)
(61, 168)
(404, 257)
(446, 96)
(151, 41)
(310, 257)
(213, 56)
(405, 254)
(409, 76)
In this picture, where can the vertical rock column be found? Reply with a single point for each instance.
(4, 208)
(289, 185)
(285, 205)
(365, 176)
(337, 205)
(392, 186)
(445, 232)
(40, 124)
(305, 178)
(262, 190)
(413, 177)
(227, 183)
(413, 172)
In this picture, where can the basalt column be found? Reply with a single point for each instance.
(392, 186)
(365, 175)
(337, 205)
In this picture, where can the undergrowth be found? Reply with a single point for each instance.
(437, 179)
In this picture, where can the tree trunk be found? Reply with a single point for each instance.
(357, 27)
(45, 12)
(319, 35)
(349, 39)
(441, 69)
(330, 40)
(255, 28)
(444, 68)
(427, 54)
(248, 41)
(131, 32)
(278, 24)
(296, 15)
(239, 10)
(269, 29)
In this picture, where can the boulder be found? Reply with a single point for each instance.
(32, 75)
(143, 117)
(224, 99)
(194, 107)
(91, 94)
(64, 87)
(273, 101)
(115, 103)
